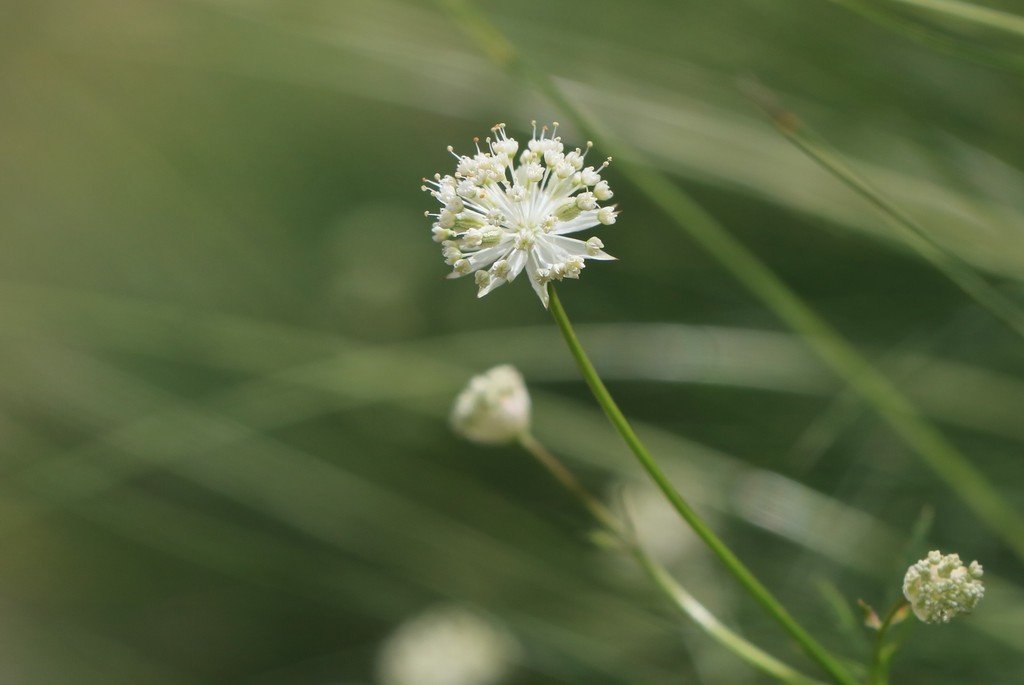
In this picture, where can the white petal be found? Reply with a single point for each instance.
(495, 282)
(531, 272)
(579, 248)
(457, 274)
(584, 221)
(516, 262)
(546, 252)
(484, 258)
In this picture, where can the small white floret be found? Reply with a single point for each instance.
(586, 201)
(472, 238)
(590, 177)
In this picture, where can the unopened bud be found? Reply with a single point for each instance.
(494, 408)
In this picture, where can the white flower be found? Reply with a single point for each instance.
(494, 408)
(939, 587)
(501, 218)
(446, 645)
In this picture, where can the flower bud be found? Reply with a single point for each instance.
(534, 172)
(494, 408)
(508, 147)
(451, 255)
(575, 159)
(606, 215)
(472, 238)
(500, 268)
(446, 219)
(589, 176)
(939, 587)
(586, 201)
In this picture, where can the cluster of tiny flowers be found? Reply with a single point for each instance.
(494, 407)
(499, 218)
(939, 587)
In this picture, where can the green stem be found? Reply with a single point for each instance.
(892, 405)
(739, 646)
(566, 478)
(676, 593)
(753, 586)
(883, 652)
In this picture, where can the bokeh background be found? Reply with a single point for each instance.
(227, 350)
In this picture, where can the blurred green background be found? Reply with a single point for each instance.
(227, 350)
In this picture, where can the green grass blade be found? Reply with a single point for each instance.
(914, 234)
(970, 13)
(933, 39)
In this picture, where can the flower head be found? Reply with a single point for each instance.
(494, 408)
(447, 645)
(499, 217)
(939, 587)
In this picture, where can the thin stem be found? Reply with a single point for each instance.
(753, 586)
(690, 606)
(940, 455)
(883, 652)
(663, 580)
(569, 481)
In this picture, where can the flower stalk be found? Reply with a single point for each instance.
(566, 479)
(681, 599)
(745, 577)
(883, 651)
